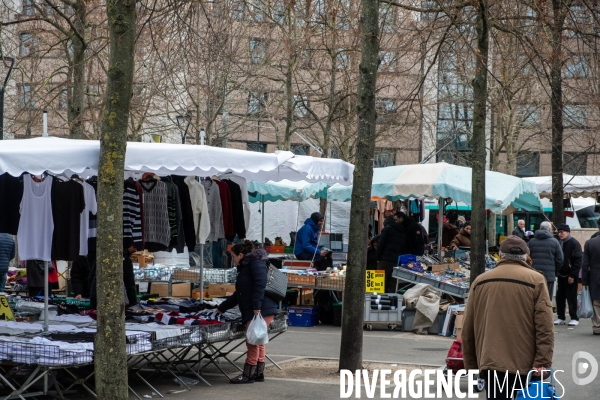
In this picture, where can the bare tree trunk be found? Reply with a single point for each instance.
(352, 319)
(77, 106)
(556, 106)
(478, 213)
(110, 350)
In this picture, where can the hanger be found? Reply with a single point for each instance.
(76, 177)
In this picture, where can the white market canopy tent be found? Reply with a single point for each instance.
(58, 155)
(442, 180)
(575, 185)
(286, 190)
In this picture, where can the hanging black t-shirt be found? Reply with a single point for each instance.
(237, 206)
(11, 193)
(68, 202)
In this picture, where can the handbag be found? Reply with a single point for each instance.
(537, 389)
(277, 283)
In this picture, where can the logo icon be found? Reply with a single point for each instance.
(581, 367)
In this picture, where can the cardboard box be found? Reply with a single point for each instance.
(181, 290)
(306, 298)
(459, 333)
(443, 267)
(160, 288)
(220, 290)
(458, 324)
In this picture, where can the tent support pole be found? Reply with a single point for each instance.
(262, 201)
(440, 224)
(201, 273)
(46, 296)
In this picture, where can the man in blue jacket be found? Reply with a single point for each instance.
(7, 253)
(307, 243)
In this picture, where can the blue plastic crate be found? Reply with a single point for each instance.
(406, 258)
(303, 316)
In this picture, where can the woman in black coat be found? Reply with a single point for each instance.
(391, 244)
(250, 296)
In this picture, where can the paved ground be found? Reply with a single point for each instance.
(397, 347)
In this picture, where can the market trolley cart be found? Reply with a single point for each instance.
(455, 362)
(382, 309)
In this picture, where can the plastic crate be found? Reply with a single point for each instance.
(376, 316)
(301, 280)
(408, 317)
(406, 258)
(288, 250)
(405, 274)
(303, 316)
(455, 290)
(331, 283)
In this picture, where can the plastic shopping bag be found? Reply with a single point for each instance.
(584, 304)
(257, 332)
(535, 388)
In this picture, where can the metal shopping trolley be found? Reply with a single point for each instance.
(382, 309)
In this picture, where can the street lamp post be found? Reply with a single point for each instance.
(181, 120)
(10, 68)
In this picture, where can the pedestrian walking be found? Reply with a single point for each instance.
(391, 244)
(7, 253)
(590, 277)
(251, 299)
(546, 254)
(520, 230)
(507, 329)
(567, 276)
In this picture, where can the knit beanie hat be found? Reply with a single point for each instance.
(316, 217)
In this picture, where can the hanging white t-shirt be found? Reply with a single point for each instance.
(36, 224)
(91, 206)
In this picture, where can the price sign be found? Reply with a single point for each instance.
(5, 311)
(375, 282)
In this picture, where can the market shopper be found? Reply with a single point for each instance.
(590, 277)
(307, 243)
(507, 327)
(546, 254)
(463, 238)
(391, 244)
(251, 299)
(461, 222)
(7, 253)
(567, 276)
(372, 253)
(415, 243)
(520, 230)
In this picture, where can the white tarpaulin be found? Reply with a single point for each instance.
(59, 155)
(575, 185)
(447, 181)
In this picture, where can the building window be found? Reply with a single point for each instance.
(299, 149)
(239, 10)
(28, 8)
(528, 164)
(575, 116)
(278, 12)
(306, 59)
(529, 115)
(384, 108)
(384, 158)
(63, 99)
(300, 106)
(28, 44)
(256, 146)
(575, 163)
(387, 59)
(341, 60)
(387, 19)
(258, 51)
(256, 103)
(576, 67)
(27, 97)
(259, 15)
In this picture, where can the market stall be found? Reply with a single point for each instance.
(573, 185)
(55, 160)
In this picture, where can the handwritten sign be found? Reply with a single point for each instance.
(375, 282)
(5, 311)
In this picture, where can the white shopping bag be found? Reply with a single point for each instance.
(257, 332)
(584, 304)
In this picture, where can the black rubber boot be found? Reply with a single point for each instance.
(260, 372)
(247, 376)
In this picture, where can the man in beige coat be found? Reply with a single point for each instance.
(508, 328)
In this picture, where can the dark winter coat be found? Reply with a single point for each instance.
(572, 259)
(7, 251)
(81, 277)
(546, 254)
(307, 239)
(392, 243)
(414, 237)
(449, 231)
(250, 286)
(520, 233)
(463, 239)
(590, 269)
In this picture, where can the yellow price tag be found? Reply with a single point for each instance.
(5, 311)
(375, 281)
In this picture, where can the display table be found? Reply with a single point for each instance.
(406, 275)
